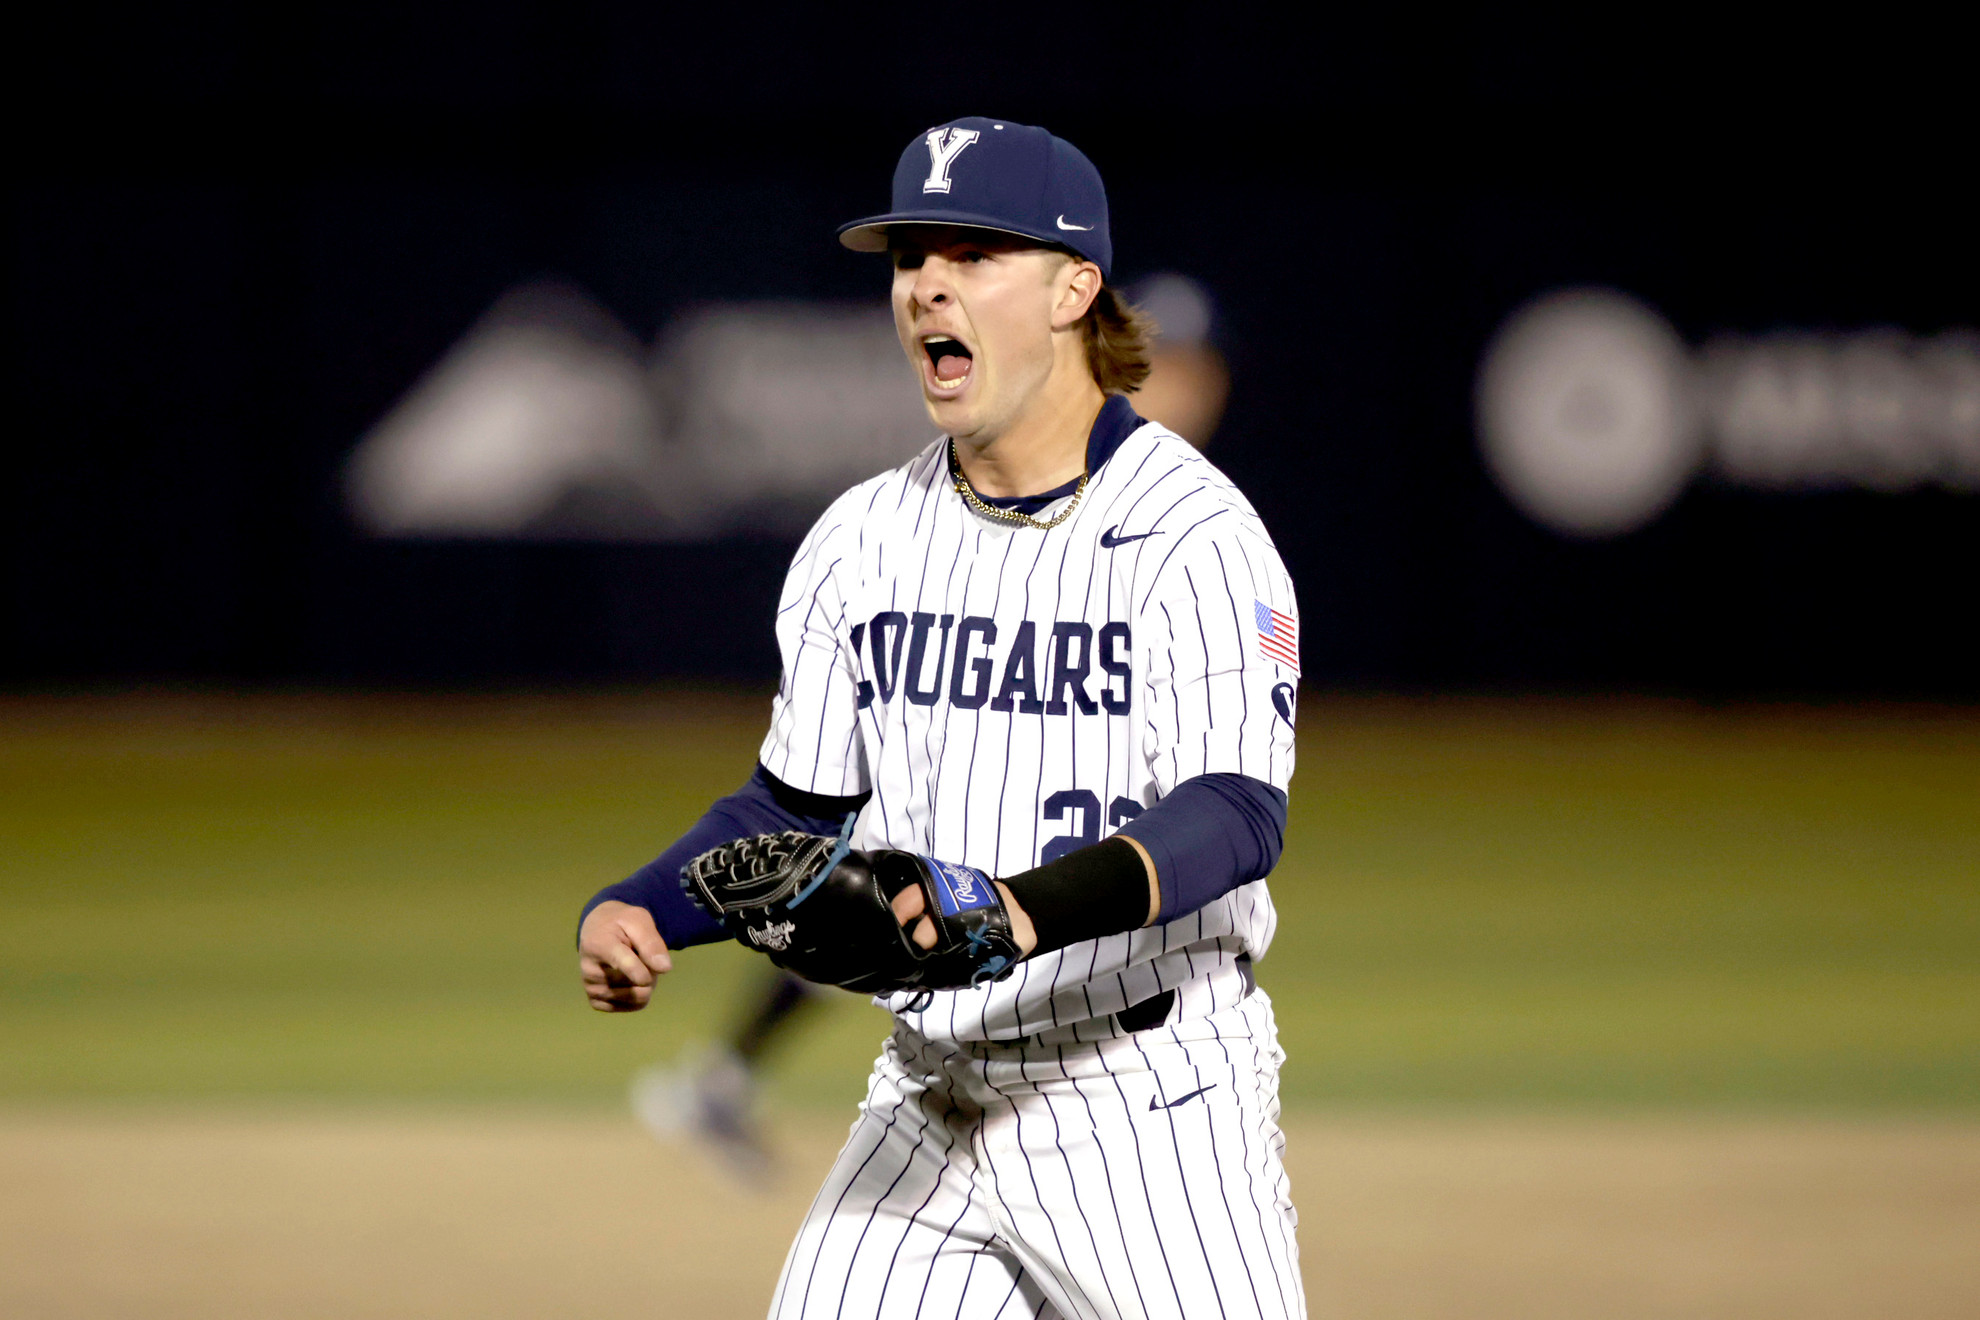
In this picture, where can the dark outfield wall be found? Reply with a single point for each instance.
(205, 319)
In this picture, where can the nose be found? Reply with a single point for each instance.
(933, 287)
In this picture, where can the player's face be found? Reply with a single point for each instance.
(976, 312)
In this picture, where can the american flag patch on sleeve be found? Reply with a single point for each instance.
(1278, 636)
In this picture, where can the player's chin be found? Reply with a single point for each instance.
(954, 414)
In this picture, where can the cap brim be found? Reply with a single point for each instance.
(870, 234)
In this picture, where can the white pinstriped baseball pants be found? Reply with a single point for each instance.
(1111, 1180)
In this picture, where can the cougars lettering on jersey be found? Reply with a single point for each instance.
(1010, 694)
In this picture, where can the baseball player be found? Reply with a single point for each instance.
(709, 1095)
(1025, 775)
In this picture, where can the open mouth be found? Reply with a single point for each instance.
(952, 362)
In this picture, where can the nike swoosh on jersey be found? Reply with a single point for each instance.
(1154, 1102)
(1109, 539)
(1081, 228)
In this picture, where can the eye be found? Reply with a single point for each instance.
(972, 256)
(907, 260)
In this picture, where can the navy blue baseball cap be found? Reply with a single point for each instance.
(993, 174)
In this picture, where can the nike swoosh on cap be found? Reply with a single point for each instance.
(1064, 225)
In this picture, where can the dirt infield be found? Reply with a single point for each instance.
(444, 1214)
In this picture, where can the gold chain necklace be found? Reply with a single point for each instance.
(1010, 515)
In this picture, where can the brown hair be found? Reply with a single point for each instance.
(1117, 335)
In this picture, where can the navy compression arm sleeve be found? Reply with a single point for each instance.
(1210, 835)
(764, 805)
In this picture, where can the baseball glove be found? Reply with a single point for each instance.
(822, 910)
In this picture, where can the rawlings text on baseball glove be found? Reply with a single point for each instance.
(821, 910)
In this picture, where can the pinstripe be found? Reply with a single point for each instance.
(962, 1297)
(1251, 1182)
(1182, 1176)
(1280, 1190)
(873, 1213)
(939, 757)
(1238, 637)
(831, 659)
(1175, 504)
(1141, 1168)
(1174, 546)
(1203, 637)
(935, 1252)
(1010, 729)
(997, 850)
(1072, 734)
(1107, 1171)
(976, 731)
(913, 1219)
(1223, 1181)
(976, 738)
(1175, 696)
(930, 769)
(885, 659)
(1152, 486)
(1072, 1185)
(1122, 489)
(1016, 1279)
(901, 683)
(1031, 1175)
(825, 1226)
(820, 532)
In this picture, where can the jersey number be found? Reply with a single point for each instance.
(1086, 827)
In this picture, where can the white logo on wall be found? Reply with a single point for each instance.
(549, 420)
(1593, 415)
(944, 145)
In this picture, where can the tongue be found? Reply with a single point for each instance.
(951, 366)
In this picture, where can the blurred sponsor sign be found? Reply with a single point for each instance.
(550, 421)
(1593, 415)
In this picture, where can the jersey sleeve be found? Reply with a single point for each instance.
(1222, 662)
(814, 743)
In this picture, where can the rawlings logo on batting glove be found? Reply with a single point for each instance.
(960, 898)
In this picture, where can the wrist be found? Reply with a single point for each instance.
(1022, 931)
(1090, 892)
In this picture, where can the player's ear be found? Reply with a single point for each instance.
(1078, 284)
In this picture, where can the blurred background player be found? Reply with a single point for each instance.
(1188, 381)
(709, 1095)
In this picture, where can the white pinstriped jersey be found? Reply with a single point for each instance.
(1009, 693)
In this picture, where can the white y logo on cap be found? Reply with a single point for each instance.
(944, 145)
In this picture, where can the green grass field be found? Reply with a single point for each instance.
(1508, 904)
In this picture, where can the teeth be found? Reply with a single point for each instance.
(941, 384)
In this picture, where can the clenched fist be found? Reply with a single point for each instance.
(620, 956)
